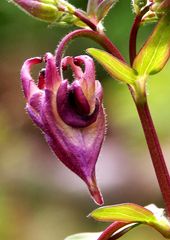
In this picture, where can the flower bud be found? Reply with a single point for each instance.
(59, 11)
(71, 115)
(42, 9)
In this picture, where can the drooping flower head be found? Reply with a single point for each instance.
(70, 115)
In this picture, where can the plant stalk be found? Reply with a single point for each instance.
(85, 19)
(134, 32)
(111, 229)
(155, 152)
(148, 125)
(97, 37)
(116, 230)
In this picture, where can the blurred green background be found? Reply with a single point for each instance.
(39, 198)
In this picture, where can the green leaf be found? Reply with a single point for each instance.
(133, 213)
(116, 68)
(84, 236)
(127, 212)
(156, 51)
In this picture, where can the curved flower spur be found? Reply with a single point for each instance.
(71, 115)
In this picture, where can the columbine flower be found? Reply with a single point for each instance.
(71, 115)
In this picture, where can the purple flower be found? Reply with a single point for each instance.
(71, 115)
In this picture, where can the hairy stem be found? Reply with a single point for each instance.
(155, 152)
(84, 19)
(134, 32)
(97, 37)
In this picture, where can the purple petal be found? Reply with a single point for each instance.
(35, 116)
(77, 71)
(41, 79)
(28, 83)
(80, 100)
(87, 81)
(78, 149)
(89, 71)
(68, 110)
(52, 78)
(36, 101)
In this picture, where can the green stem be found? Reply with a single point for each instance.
(155, 152)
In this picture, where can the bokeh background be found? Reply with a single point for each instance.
(39, 198)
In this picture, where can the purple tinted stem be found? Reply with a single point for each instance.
(121, 233)
(134, 32)
(111, 229)
(97, 37)
(85, 19)
(155, 152)
(82, 17)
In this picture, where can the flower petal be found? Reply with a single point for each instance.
(68, 111)
(78, 149)
(28, 83)
(52, 78)
(79, 99)
(88, 79)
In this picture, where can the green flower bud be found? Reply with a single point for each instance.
(53, 11)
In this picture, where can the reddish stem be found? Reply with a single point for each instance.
(111, 229)
(148, 125)
(86, 20)
(134, 32)
(98, 37)
(122, 232)
(82, 17)
(155, 152)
